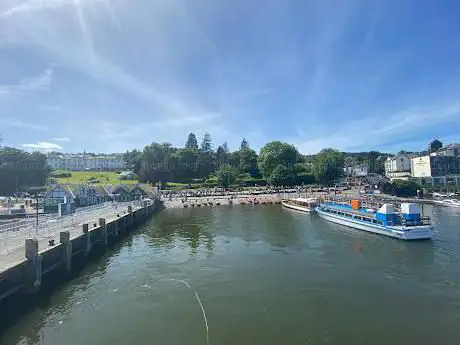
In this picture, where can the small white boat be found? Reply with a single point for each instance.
(448, 202)
(301, 204)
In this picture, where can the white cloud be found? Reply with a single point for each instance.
(381, 130)
(39, 83)
(61, 139)
(43, 146)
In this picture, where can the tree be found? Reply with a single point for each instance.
(187, 159)
(20, 169)
(206, 144)
(405, 188)
(276, 153)
(191, 143)
(226, 176)
(221, 154)
(328, 166)
(248, 162)
(133, 160)
(434, 146)
(156, 163)
(244, 144)
(282, 176)
(204, 164)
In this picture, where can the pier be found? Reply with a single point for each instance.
(34, 250)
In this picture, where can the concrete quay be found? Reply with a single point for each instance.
(24, 270)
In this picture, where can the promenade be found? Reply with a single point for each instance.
(14, 234)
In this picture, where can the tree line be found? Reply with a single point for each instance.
(20, 170)
(277, 163)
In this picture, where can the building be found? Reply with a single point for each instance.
(88, 195)
(360, 170)
(398, 166)
(55, 195)
(131, 192)
(435, 165)
(451, 150)
(85, 162)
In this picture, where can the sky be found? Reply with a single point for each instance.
(112, 75)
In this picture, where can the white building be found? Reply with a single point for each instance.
(361, 170)
(84, 162)
(398, 166)
(421, 166)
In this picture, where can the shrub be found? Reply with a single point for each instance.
(60, 174)
(405, 188)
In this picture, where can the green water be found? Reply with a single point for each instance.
(265, 275)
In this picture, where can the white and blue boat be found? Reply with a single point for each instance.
(408, 224)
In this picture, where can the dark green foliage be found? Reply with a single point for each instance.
(191, 143)
(274, 154)
(434, 146)
(328, 166)
(20, 170)
(405, 188)
(226, 176)
(244, 145)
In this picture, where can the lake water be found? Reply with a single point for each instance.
(265, 275)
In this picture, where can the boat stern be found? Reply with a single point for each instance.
(418, 233)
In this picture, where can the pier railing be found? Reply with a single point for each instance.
(12, 234)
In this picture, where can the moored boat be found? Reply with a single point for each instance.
(408, 224)
(301, 204)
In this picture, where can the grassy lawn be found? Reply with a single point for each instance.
(104, 177)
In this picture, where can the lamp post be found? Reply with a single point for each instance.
(36, 191)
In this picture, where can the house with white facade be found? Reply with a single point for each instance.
(360, 170)
(83, 162)
(55, 195)
(398, 166)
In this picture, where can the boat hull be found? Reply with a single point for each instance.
(415, 233)
(298, 208)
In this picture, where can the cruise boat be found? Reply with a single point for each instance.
(301, 204)
(408, 224)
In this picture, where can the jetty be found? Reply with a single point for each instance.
(33, 252)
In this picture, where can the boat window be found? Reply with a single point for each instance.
(374, 221)
(380, 222)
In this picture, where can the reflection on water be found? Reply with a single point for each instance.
(265, 275)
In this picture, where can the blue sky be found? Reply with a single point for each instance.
(111, 75)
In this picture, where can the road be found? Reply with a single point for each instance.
(13, 235)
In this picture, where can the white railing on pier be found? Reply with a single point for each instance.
(13, 234)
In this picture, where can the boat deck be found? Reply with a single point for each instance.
(346, 208)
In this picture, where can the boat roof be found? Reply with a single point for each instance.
(304, 199)
(348, 209)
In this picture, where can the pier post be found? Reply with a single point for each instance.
(64, 238)
(87, 238)
(146, 208)
(131, 215)
(115, 227)
(34, 272)
(103, 226)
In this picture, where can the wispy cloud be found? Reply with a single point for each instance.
(43, 146)
(23, 124)
(38, 83)
(36, 5)
(61, 139)
(385, 129)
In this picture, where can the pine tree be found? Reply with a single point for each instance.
(244, 144)
(191, 143)
(206, 144)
